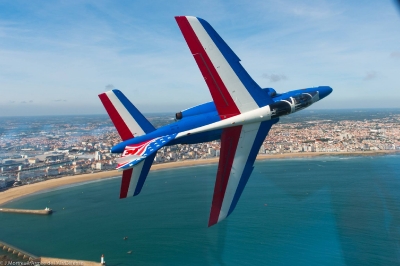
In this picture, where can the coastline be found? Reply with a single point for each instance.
(23, 191)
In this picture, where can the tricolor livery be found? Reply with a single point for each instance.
(240, 115)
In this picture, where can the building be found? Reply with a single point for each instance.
(262, 149)
(33, 160)
(51, 171)
(22, 176)
(211, 151)
(51, 157)
(97, 156)
(99, 166)
(10, 162)
(2, 184)
(78, 169)
(6, 182)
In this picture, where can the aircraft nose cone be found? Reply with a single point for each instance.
(324, 91)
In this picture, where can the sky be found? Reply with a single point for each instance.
(57, 56)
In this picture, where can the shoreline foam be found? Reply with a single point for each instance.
(27, 190)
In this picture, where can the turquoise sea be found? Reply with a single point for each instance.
(334, 210)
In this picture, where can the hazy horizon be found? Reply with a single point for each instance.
(173, 112)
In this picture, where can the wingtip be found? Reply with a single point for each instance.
(187, 17)
(177, 18)
(212, 220)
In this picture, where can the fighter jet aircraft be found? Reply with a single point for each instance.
(240, 115)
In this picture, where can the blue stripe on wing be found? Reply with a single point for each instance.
(259, 96)
(248, 169)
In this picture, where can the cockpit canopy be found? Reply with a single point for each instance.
(271, 92)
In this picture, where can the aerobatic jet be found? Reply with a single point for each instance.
(240, 115)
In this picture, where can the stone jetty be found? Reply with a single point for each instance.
(46, 211)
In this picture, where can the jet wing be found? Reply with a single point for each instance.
(231, 87)
(239, 149)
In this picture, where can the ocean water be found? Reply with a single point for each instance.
(334, 210)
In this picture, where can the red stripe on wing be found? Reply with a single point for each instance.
(229, 141)
(223, 101)
(119, 123)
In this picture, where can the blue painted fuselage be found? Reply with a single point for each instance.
(205, 114)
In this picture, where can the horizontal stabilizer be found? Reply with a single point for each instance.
(134, 154)
(129, 162)
(129, 158)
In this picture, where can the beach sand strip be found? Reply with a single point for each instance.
(22, 191)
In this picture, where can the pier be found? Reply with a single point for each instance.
(23, 255)
(55, 261)
(46, 211)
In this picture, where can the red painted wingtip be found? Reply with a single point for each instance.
(211, 223)
(179, 19)
(126, 179)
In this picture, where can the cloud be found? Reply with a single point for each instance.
(274, 77)
(395, 55)
(11, 101)
(23, 102)
(370, 75)
(313, 41)
(110, 87)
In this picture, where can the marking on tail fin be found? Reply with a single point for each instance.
(134, 154)
(118, 121)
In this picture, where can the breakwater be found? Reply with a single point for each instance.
(46, 211)
(55, 261)
(23, 255)
(26, 256)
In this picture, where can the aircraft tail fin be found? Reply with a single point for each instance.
(128, 120)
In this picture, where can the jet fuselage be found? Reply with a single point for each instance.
(207, 126)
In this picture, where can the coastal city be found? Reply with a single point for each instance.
(34, 150)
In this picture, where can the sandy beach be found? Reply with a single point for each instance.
(17, 192)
